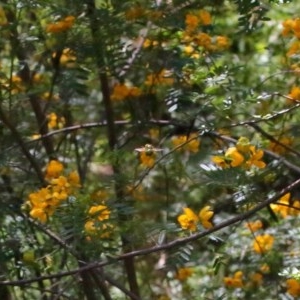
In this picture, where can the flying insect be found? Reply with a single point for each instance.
(148, 149)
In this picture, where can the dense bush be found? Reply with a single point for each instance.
(149, 149)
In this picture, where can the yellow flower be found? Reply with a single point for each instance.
(220, 161)
(255, 226)
(205, 216)
(296, 27)
(285, 140)
(54, 121)
(94, 229)
(294, 48)
(99, 196)
(188, 220)
(61, 182)
(164, 77)
(234, 282)
(40, 214)
(17, 85)
(293, 287)
(263, 243)
(40, 198)
(68, 57)
(256, 278)
(295, 93)
(205, 18)
(189, 143)
(74, 179)
(285, 208)
(61, 26)
(150, 43)
(46, 96)
(255, 158)
(282, 206)
(295, 209)
(203, 40)
(188, 50)
(100, 211)
(54, 169)
(234, 156)
(191, 22)
(287, 27)
(122, 91)
(222, 42)
(89, 226)
(184, 273)
(147, 160)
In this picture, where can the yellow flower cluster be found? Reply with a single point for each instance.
(121, 91)
(236, 281)
(255, 226)
(193, 20)
(285, 140)
(61, 26)
(293, 287)
(183, 274)
(263, 243)
(55, 122)
(242, 155)
(189, 143)
(14, 84)
(284, 208)
(67, 58)
(195, 38)
(295, 93)
(291, 28)
(189, 220)
(164, 77)
(95, 225)
(43, 202)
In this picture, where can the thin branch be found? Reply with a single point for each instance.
(99, 46)
(72, 128)
(271, 138)
(16, 135)
(171, 245)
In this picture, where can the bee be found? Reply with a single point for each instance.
(148, 149)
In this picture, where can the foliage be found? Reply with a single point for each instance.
(149, 149)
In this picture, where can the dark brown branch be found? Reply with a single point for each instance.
(99, 45)
(16, 135)
(26, 75)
